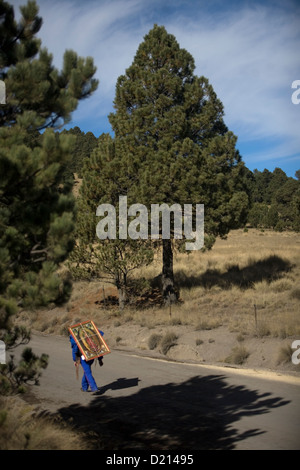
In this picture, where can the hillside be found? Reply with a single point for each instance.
(239, 306)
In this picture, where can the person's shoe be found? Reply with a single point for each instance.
(83, 390)
(96, 392)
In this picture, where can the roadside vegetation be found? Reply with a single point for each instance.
(22, 429)
(248, 283)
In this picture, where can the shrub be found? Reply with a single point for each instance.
(238, 355)
(240, 337)
(175, 321)
(204, 325)
(295, 294)
(168, 341)
(285, 354)
(199, 342)
(154, 341)
(262, 329)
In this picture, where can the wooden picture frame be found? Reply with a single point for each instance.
(89, 340)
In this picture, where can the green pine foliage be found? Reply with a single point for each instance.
(113, 261)
(172, 145)
(83, 146)
(34, 86)
(286, 201)
(275, 201)
(37, 208)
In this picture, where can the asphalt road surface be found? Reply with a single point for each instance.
(153, 404)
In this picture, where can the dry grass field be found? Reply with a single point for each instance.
(248, 269)
(239, 304)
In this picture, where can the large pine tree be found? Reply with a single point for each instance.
(36, 205)
(172, 145)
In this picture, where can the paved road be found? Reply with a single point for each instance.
(152, 404)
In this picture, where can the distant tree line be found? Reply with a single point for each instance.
(275, 200)
(274, 196)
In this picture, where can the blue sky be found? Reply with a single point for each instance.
(249, 51)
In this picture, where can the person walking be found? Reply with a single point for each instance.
(88, 382)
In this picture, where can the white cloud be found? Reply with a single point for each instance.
(250, 60)
(249, 54)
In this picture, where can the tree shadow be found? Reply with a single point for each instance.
(268, 269)
(198, 414)
(119, 384)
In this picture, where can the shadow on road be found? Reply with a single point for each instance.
(198, 414)
(119, 384)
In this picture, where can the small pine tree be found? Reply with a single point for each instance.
(113, 261)
(271, 218)
(258, 214)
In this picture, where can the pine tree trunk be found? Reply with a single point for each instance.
(168, 288)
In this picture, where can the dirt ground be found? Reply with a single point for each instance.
(210, 347)
(216, 346)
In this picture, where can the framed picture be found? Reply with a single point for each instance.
(89, 340)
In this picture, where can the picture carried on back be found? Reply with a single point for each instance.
(89, 340)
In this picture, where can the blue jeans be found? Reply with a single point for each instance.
(88, 379)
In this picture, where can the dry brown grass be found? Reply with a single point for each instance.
(168, 341)
(251, 273)
(20, 429)
(248, 283)
(285, 354)
(238, 355)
